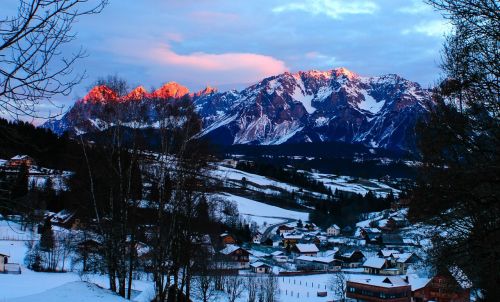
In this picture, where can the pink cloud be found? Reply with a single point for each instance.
(163, 63)
(254, 63)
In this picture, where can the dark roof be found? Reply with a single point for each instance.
(392, 239)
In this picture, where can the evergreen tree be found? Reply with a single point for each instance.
(47, 236)
(20, 186)
(458, 188)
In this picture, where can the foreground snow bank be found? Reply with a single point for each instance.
(77, 291)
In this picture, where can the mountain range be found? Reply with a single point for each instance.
(313, 106)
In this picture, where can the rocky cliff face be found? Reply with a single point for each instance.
(313, 106)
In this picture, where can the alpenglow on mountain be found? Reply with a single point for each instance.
(313, 106)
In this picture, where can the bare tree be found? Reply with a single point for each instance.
(32, 66)
(270, 288)
(338, 284)
(252, 285)
(204, 287)
(235, 286)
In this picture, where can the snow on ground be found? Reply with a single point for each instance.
(253, 209)
(237, 175)
(305, 288)
(351, 184)
(77, 291)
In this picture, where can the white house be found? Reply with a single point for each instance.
(333, 230)
(257, 238)
(260, 268)
(306, 249)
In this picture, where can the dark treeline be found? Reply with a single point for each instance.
(334, 158)
(344, 209)
(49, 150)
(287, 175)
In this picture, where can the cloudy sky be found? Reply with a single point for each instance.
(233, 43)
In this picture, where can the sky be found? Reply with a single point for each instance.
(231, 44)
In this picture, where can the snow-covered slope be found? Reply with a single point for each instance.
(77, 291)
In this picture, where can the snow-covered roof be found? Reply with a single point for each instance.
(350, 254)
(259, 264)
(374, 262)
(63, 216)
(372, 230)
(277, 253)
(387, 253)
(307, 247)
(417, 282)
(293, 236)
(330, 253)
(316, 259)
(402, 257)
(229, 249)
(380, 281)
(334, 226)
(17, 157)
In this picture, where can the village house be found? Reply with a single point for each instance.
(371, 235)
(402, 261)
(308, 263)
(305, 249)
(20, 160)
(279, 256)
(4, 259)
(310, 227)
(351, 259)
(377, 289)
(227, 239)
(290, 240)
(284, 229)
(235, 257)
(379, 266)
(8, 268)
(66, 219)
(260, 268)
(257, 237)
(333, 230)
(386, 253)
(443, 288)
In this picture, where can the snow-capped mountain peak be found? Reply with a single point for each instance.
(306, 106)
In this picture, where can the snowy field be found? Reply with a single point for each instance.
(350, 184)
(340, 182)
(262, 213)
(72, 291)
(236, 175)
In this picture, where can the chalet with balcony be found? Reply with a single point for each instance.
(234, 257)
(351, 259)
(379, 289)
(260, 268)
